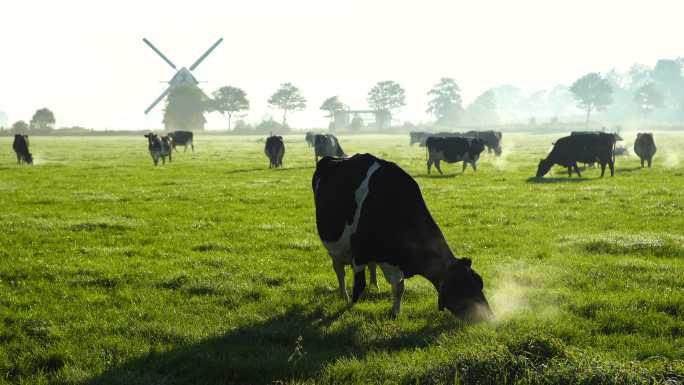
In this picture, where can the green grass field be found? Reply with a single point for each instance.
(209, 270)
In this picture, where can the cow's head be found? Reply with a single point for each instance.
(28, 158)
(461, 292)
(543, 168)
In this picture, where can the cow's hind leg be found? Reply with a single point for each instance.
(465, 164)
(474, 164)
(429, 165)
(170, 156)
(642, 162)
(603, 168)
(338, 266)
(438, 168)
(570, 171)
(649, 162)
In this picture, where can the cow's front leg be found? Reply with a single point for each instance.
(372, 267)
(570, 171)
(398, 293)
(338, 266)
(474, 164)
(359, 282)
(603, 169)
(611, 165)
(429, 165)
(577, 170)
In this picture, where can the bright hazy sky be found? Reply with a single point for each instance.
(86, 60)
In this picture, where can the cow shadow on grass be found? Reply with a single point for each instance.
(437, 176)
(296, 344)
(565, 179)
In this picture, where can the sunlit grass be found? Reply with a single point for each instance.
(209, 270)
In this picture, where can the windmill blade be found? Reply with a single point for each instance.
(159, 53)
(198, 61)
(166, 92)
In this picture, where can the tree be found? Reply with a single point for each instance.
(559, 100)
(229, 100)
(20, 126)
(592, 92)
(287, 98)
(185, 108)
(332, 104)
(648, 97)
(446, 104)
(43, 119)
(384, 97)
(483, 109)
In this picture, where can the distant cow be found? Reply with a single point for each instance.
(453, 149)
(584, 148)
(275, 150)
(159, 147)
(309, 137)
(182, 138)
(21, 148)
(418, 137)
(370, 211)
(327, 145)
(644, 147)
(491, 139)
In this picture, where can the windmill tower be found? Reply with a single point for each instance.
(182, 76)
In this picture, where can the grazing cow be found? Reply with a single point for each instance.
(370, 211)
(491, 139)
(418, 137)
(182, 138)
(275, 150)
(21, 148)
(159, 147)
(309, 137)
(453, 149)
(327, 145)
(644, 147)
(583, 148)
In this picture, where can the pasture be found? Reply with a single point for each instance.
(209, 270)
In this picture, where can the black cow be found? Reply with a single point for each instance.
(275, 150)
(584, 148)
(21, 148)
(644, 147)
(453, 149)
(491, 139)
(182, 138)
(309, 138)
(327, 145)
(418, 137)
(369, 210)
(159, 147)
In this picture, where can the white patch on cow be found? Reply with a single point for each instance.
(342, 246)
(392, 273)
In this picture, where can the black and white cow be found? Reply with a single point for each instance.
(21, 148)
(644, 147)
(453, 149)
(418, 137)
(327, 145)
(369, 210)
(182, 138)
(159, 147)
(491, 140)
(584, 148)
(309, 138)
(275, 150)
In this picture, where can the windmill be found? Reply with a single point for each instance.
(182, 76)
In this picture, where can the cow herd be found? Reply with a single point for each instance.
(370, 212)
